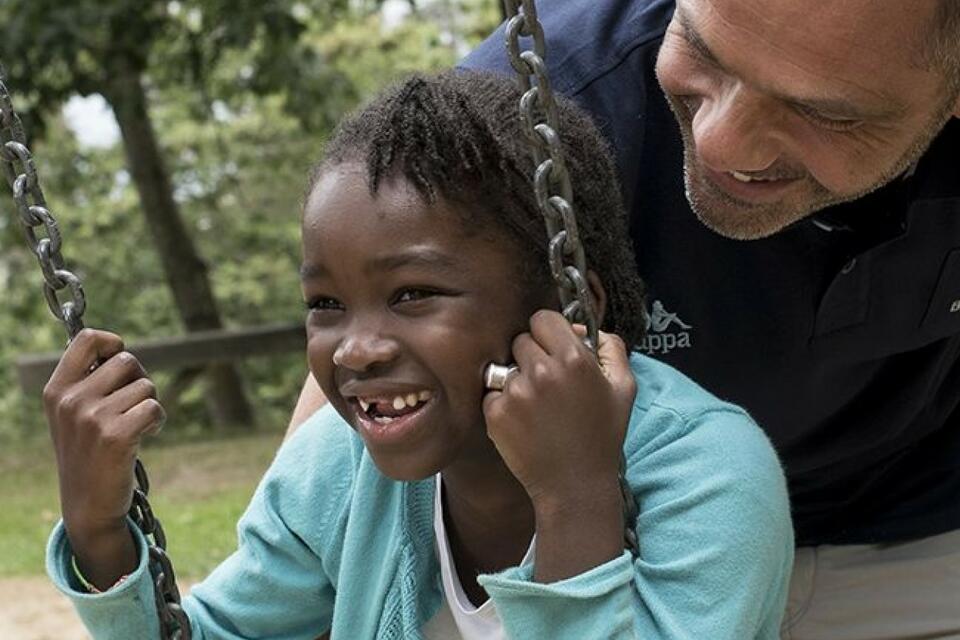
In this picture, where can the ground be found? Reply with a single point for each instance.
(32, 609)
(199, 491)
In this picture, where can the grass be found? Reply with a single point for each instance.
(198, 490)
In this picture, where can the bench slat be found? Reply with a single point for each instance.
(197, 348)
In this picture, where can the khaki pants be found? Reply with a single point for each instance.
(908, 591)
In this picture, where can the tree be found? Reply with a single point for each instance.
(101, 47)
(241, 103)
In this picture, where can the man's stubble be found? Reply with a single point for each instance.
(755, 222)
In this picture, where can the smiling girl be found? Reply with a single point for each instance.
(420, 504)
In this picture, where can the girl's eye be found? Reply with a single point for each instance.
(827, 122)
(322, 303)
(413, 294)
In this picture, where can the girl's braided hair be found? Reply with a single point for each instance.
(457, 136)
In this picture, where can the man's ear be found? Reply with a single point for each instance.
(598, 294)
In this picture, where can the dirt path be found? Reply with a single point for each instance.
(32, 609)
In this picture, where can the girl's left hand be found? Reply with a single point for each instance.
(560, 422)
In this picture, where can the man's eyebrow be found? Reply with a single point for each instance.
(826, 106)
(693, 37)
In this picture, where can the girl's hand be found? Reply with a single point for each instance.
(97, 418)
(560, 422)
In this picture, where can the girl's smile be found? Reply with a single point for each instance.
(392, 417)
(405, 311)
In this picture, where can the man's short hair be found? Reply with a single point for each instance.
(943, 49)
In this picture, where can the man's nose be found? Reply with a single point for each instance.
(364, 349)
(737, 131)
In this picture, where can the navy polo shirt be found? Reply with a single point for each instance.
(840, 334)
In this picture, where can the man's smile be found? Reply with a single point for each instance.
(748, 189)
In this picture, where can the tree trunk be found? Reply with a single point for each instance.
(185, 271)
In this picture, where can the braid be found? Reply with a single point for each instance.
(456, 136)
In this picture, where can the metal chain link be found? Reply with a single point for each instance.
(554, 191)
(18, 167)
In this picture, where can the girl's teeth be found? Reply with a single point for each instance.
(383, 419)
(400, 403)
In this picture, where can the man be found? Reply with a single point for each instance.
(800, 236)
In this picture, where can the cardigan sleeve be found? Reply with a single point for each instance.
(716, 545)
(275, 586)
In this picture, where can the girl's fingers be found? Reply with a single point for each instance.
(145, 418)
(86, 349)
(527, 353)
(613, 357)
(126, 398)
(612, 351)
(491, 401)
(552, 332)
(115, 373)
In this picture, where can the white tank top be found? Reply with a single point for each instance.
(457, 618)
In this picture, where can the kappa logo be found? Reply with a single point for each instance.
(665, 331)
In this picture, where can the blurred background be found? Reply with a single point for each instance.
(173, 140)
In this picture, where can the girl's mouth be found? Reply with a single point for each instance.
(385, 410)
(390, 419)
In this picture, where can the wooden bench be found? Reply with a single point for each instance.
(189, 351)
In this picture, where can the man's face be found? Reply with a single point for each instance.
(788, 107)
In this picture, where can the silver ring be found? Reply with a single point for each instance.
(496, 376)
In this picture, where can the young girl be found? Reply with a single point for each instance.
(420, 504)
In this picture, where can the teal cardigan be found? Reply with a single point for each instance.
(328, 542)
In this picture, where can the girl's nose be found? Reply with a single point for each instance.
(363, 351)
(737, 130)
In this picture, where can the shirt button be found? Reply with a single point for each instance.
(847, 268)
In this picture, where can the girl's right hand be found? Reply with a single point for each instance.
(99, 403)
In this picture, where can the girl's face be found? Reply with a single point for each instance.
(405, 311)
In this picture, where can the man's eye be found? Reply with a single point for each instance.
(322, 303)
(829, 122)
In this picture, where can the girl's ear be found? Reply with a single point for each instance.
(599, 295)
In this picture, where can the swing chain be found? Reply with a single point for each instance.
(19, 169)
(540, 120)
(554, 192)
